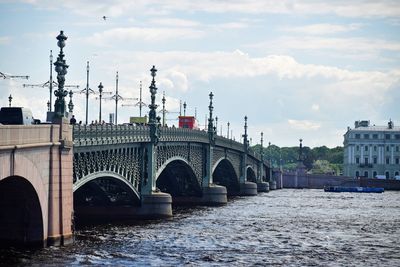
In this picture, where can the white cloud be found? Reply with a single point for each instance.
(303, 125)
(323, 28)
(233, 25)
(342, 44)
(5, 40)
(126, 7)
(185, 65)
(174, 22)
(135, 34)
(315, 107)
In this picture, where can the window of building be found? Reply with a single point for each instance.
(375, 160)
(366, 174)
(366, 160)
(375, 148)
(374, 174)
(387, 160)
(357, 174)
(375, 136)
(397, 160)
(387, 148)
(366, 148)
(357, 148)
(387, 136)
(397, 136)
(357, 160)
(387, 175)
(397, 148)
(396, 173)
(366, 136)
(357, 136)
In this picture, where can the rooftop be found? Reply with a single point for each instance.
(376, 128)
(365, 126)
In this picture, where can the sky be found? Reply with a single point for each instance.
(296, 69)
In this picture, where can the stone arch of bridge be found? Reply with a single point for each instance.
(105, 174)
(224, 174)
(25, 168)
(178, 178)
(219, 161)
(251, 174)
(21, 212)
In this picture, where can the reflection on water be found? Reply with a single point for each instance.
(283, 227)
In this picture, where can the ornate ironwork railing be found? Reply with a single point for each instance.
(92, 135)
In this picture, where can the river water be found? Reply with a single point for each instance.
(280, 228)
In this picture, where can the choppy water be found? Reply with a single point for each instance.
(280, 228)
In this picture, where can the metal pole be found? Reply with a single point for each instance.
(100, 96)
(140, 101)
(51, 78)
(87, 91)
(9, 100)
(116, 100)
(227, 134)
(163, 110)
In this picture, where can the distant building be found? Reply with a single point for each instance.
(372, 151)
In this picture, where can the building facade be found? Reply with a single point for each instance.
(372, 151)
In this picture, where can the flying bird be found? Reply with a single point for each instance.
(104, 17)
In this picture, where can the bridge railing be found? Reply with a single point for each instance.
(88, 135)
(172, 134)
(225, 142)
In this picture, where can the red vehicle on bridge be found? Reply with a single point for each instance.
(188, 122)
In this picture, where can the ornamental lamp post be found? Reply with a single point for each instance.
(61, 69)
(100, 96)
(184, 108)
(301, 150)
(153, 120)
(216, 123)
(261, 146)
(10, 100)
(211, 120)
(163, 109)
(227, 135)
(245, 141)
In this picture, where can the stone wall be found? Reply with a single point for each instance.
(319, 181)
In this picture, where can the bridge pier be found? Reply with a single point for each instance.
(156, 205)
(214, 195)
(248, 189)
(272, 185)
(263, 187)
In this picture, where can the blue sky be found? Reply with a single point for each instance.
(297, 69)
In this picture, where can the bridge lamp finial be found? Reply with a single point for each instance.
(70, 104)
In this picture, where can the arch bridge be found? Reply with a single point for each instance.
(120, 164)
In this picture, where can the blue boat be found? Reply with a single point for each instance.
(355, 189)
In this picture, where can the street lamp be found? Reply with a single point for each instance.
(61, 69)
(163, 109)
(216, 123)
(184, 108)
(154, 121)
(227, 135)
(10, 100)
(100, 96)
